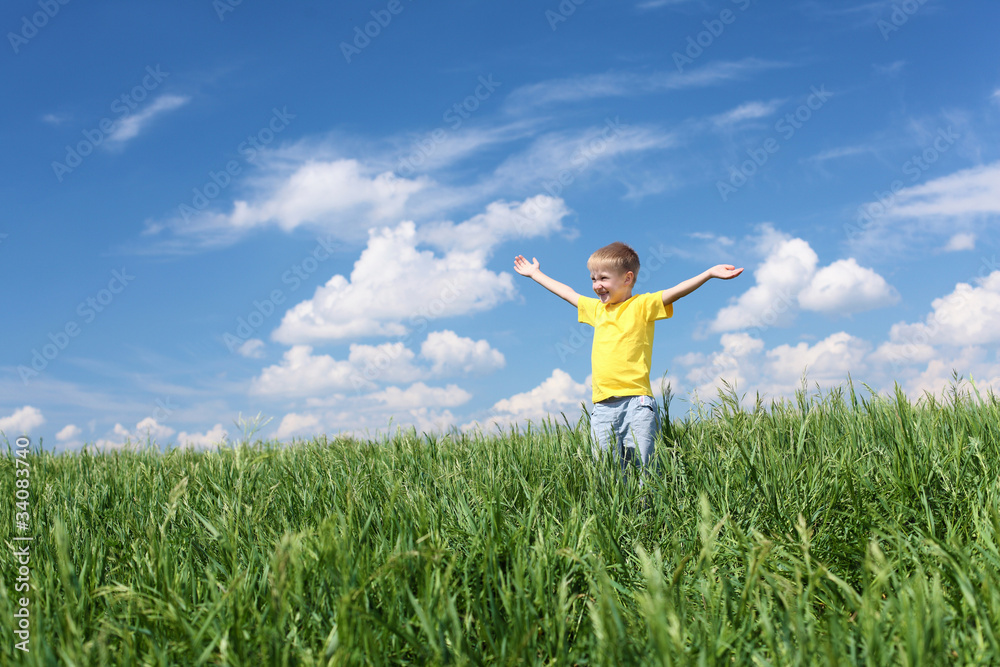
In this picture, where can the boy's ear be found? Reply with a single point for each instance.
(629, 278)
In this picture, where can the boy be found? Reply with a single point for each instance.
(624, 410)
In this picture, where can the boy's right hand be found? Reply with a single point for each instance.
(524, 267)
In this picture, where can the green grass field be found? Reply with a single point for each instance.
(834, 529)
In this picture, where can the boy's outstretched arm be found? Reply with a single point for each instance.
(531, 270)
(721, 271)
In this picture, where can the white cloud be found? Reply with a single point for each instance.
(740, 344)
(747, 111)
(743, 362)
(827, 362)
(788, 279)
(215, 436)
(294, 424)
(347, 184)
(301, 373)
(966, 201)
(789, 263)
(900, 351)
(712, 237)
(313, 376)
(147, 430)
(130, 126)
(106, 444)
(370, 415)
(451, 354)
(150, 428)
(395, 285)
(252, 349)
(388, 362)
(621, 84)
(419, 395)
(961, 241)
(55, 119)
(22, 422)
(954, 336)
(969, 192)
(653, 4)
(441, 148)
(841, 152)
(540, 215)
(570, 154)
(341, 195)
(737, 363)
(558, 393)
(68, 432)
(378, 413)
(960, 333)
(373, 422)
(427, 420)
(292, 188)
(312, 182)
(969, 362)
(891, 69)
(864, 14)
(846, 287)
(967, 316)
(393, 282)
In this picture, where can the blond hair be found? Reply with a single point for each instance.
(616, 256)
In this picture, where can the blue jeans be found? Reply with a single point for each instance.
(627, 423)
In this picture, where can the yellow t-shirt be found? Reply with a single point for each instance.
(623, 343)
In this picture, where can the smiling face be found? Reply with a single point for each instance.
(611, 286)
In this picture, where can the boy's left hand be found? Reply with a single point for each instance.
(725, 271)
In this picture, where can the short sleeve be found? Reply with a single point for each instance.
(655, 310)
(586, 310)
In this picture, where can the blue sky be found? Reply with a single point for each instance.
(311, 211)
